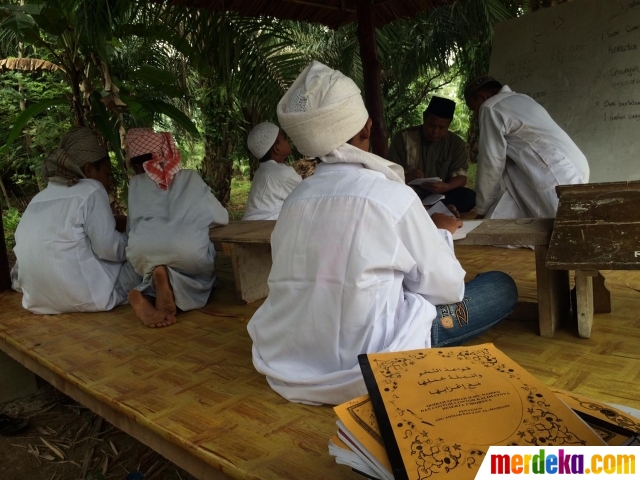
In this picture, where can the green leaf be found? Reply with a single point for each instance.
(24, 117)
(50, 21)
(107, 127)
(173, 113)
(154, 75)
(30, 8)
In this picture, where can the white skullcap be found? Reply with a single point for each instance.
(261, 138)
(322, 110)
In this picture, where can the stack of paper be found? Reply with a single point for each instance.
(437, 404)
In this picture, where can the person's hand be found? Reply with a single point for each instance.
(452, 208)
(412, 175)
(440, 187)
(121, 223)
(445, 222)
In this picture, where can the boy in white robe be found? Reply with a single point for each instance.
(170, 212)
(522, 156)
(358, 264)
(69, 253)
(273, 181)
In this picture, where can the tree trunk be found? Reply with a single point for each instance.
(217, 168)
(220, 135)
(371, 70)
(5, 275)
(252, 117)
(4, 193)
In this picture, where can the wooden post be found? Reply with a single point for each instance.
(371, 70)
(5, 276)
(584, 296)
(553, 294)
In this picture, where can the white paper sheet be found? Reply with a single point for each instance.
(422, 181)
(432, 199)
(467, 226)
(440, 207)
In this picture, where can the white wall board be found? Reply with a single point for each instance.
(581, 61)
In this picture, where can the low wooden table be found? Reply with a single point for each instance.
(248, 245)
(597, 228)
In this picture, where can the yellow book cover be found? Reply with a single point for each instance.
(439, 410)
(360, 424)
(615, 427)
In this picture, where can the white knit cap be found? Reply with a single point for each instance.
(261, 138)
(322, 110)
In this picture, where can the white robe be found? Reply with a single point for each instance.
(272, 183)
(358, 266)
(171, 227)
(69, 254)
(523, 155)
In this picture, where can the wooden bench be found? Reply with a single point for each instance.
(597, 228)
(190, 391)
(248, 245)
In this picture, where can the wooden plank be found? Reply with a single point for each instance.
(189, 390)
(174, 453)
(239, 231)
(521, 231)
(251, 267)
(553, 294)
(597, 228)
(584, 296)
(591, 188)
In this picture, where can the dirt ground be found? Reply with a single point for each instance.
(65, 441)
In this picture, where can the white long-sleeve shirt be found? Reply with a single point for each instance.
(272, 183)
(358, 266)
(171, 227)
(522, 148)
(68, 251)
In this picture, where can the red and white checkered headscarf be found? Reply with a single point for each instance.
(165, 157)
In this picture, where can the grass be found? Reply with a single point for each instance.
(471, 178)
(239, 195)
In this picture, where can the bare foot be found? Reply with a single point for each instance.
(165, 301)
(148, 315)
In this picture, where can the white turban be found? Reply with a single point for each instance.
(261, 138)
(321, 112)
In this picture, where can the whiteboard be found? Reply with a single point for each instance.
(581, 62)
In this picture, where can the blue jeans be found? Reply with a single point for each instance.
(488, 299)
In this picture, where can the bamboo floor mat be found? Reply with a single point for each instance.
(194, 385)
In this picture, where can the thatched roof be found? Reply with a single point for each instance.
(333, 13)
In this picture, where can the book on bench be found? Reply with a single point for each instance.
(439, 410)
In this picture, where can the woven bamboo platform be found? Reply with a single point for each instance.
(190, 391)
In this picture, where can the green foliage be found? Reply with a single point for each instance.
(10, 220)
(153, 64)
(239, 195)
